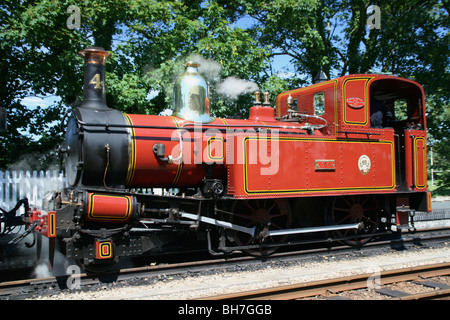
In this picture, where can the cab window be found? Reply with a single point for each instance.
(319, 103)
(395, 103)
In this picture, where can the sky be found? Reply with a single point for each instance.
(34, 101)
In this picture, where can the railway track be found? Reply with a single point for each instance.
(380, 282)
(27, 288)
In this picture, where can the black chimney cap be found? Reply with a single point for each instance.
(320, 77)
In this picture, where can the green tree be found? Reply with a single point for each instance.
(149, 40)
(189, 29)
(412, 42)
(439, 139)
(33, 62)
(335, 36)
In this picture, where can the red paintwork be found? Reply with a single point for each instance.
(104, 249)
(46, 222)
(205, 144)
(296, 173)
(109, 208)
(346, 118)
(357, 157)
(262, 114)
(416, 159)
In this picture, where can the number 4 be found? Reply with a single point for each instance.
(97, 82)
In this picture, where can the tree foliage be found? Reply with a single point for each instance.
(150, 40)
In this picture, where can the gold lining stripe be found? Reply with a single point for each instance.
(366, 101)
(180, 164)
(251, 192)
(52, 224)
(93, 216)
(131, 152)
(429, 206)
(225, 122)
(416, 164)
(209, 155)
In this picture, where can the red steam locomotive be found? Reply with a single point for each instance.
(345, 157)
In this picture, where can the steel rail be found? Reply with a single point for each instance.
(443, 294)
(28, 287)
(322, 287)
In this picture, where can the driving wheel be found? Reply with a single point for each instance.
(272, 213)
(354, 209)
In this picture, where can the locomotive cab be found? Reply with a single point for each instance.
(399, 105)
(375, 108)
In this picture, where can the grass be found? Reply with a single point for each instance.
(438, 191)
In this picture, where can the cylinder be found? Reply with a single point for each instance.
(104, 207)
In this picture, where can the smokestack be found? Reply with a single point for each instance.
(94, 78)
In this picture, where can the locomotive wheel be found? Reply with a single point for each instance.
(353, 209)
(260, 213)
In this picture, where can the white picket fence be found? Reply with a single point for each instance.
(16, 185)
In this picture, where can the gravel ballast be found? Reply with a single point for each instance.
(266, 274)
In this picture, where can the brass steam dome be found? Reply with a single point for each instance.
(191, 100)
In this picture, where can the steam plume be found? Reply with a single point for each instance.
(232, 87)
